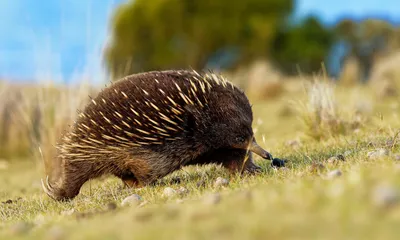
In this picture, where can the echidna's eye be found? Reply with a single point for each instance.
(240, 139)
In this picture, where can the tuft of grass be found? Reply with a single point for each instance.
(385, 77)
(32, 119)
(323, 117)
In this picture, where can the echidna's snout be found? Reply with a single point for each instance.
(255, 148)
(48, 189)
(55, 192)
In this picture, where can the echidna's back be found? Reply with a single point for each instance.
(143, 109)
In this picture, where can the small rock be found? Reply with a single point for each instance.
(385, 196)
(378, 153)
(3, 165)
(397, 157)
(220, 182)
(133, 199)
(212, 199)
(68, 212)
(334, 174)
(56, 233)
(182, 191)
(169, 192)
(111, 206)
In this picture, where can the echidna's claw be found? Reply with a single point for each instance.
(48, 184)
(48, 189)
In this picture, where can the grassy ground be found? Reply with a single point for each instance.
(355, 196)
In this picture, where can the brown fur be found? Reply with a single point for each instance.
(148, 125)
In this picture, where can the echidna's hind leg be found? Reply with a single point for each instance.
(140, 173)
(129, 180)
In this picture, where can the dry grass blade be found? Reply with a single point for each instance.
(321, 114)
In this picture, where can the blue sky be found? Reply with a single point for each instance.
(330, 11)
(58, 39)
(63, 39)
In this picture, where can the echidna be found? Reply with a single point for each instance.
(145, 126)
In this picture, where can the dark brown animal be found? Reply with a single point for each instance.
(146, 126)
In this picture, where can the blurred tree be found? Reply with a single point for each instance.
(159, 34)
(365, 40)
(304, 46)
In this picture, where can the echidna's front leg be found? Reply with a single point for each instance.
(250, 167)
(241, 161)
(143, 172)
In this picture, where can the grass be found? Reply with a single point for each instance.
(302, 201)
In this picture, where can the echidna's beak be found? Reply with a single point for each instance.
(255, 148)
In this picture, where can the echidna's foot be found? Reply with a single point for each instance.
(58, 193)
(129, 180)
(132, 183)
(252, 169)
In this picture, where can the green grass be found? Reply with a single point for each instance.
(300, 201)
